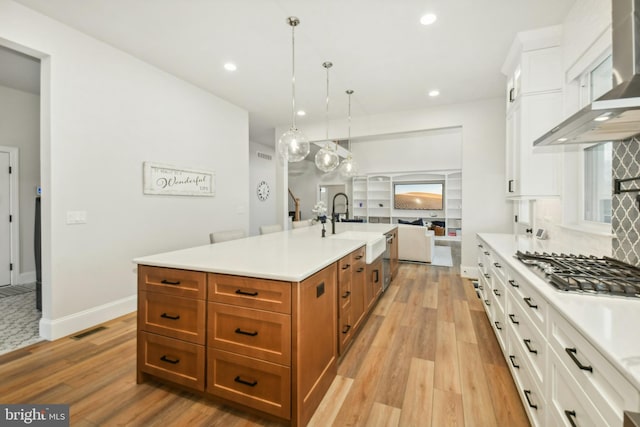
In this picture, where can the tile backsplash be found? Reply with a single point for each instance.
(626, 218)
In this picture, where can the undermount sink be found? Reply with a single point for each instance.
(375, 242)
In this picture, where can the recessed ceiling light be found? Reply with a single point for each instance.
(562, 139)
(434, 92)
(301, 113)
(428, 19)
(230, 66)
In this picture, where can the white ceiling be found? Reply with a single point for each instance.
(378, 48)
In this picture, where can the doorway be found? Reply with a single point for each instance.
(9, 218)
(326, 192)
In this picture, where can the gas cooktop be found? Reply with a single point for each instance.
(585, 274)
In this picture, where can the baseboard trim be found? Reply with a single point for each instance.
(52, 329)
(28, 277)
(468, 272)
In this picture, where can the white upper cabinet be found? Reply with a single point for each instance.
(534, 104)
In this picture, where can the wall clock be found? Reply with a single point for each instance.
(263, 190)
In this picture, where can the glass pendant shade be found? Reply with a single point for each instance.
(327, 159)
(293, 145)
(349, 167)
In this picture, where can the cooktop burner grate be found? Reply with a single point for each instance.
(591, 275)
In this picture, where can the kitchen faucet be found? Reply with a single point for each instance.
(333, 211)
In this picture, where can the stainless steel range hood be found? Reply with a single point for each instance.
(615, 115)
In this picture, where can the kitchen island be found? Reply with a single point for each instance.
(258, 323)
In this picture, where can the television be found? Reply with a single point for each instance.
(418, 195)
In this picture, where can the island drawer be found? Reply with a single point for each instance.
(185, 283)
(271, 295)
(176, 317)
(174, 360)
(256, 333)
(359, 255)
(255, 383)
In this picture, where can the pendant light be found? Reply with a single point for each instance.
(293, 145)
(327, 158)
(349, 167)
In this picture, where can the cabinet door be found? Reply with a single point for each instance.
(513, 150)
(358, 284)
(393, 261)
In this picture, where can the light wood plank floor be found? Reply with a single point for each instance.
(426, 357)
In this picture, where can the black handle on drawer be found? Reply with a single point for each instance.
(526, 395)
(572, 352)
(169, 282)
(170, 360)
(360, 270)
(497, 293)
(358, 257)
(513, 363)
(510, 186)
(528, 301)
(346, 329)
(170, 316)
(497, 325)
(570, 416)
(251, 294)
(487, 253)
(513, 283)
(487, 302)
(344, 267)
(241, 332)
(346, 294)
(487, 276)
(514, 321)
(531, 350)
(481, 265)
(497, 265)
(249, 383)
(376, 275)
(480, 246)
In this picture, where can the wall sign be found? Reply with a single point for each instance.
(171, 180)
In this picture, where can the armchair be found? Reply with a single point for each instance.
(415, 243)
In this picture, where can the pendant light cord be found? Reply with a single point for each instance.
(293, 73)
(349, 92)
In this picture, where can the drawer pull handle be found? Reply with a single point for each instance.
(480, 246)
(346, 329)
(487, 253)
(513, 283)
(169, 282)
(344, 267)
(346, 294)
(249, 383)
(514, 363)
(526, 395)
(497, 265)
(531, 350)
(497, 325)
(486, 275)
(358, 257)
(487, 302)
(360, 270)
(170, 316)
(497, 293)
(572, 352)
(170, 360)
(251, 294)
(528, 301)
(481, 265)
(514, 321)
(376, 275)
(570, 416)
(251, 334)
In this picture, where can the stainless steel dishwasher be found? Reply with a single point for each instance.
(386, 263)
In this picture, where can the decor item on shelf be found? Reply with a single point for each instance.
(327, 158)
(293, 145)
(349, 167)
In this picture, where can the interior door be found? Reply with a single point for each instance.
(5, 226)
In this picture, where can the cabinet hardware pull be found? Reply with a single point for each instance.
(513, 283)
(572, 352)
(510, 186)
(487, 302)
(480, 246)
(346, 329)
(528, 301)
(344, 267)
(169, 282)
(346, 294)
(531, 350)
(497, 264)
(526, 395)
(498, 325)
(360, 270)
(514, 321)
(570, 416)
(251, 294)
(512, 94)
(487, 253)
(497, 293)
(480, 265)
(481, 287)
(513, 363)
(169, 316)
(249, 383)
(358, 256)
(251, 334)
(170, 360)
(376, 274)
(487, 275)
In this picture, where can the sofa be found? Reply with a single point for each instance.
(415, 243)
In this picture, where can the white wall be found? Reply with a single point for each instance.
(261, 169)
(20, 127)
(104, 113)
(484, 207)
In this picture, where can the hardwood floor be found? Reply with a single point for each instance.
(426, 357)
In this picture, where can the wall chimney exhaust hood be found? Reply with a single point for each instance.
(615, 115)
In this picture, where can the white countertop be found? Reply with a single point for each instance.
(610, 324)
(291, 255)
